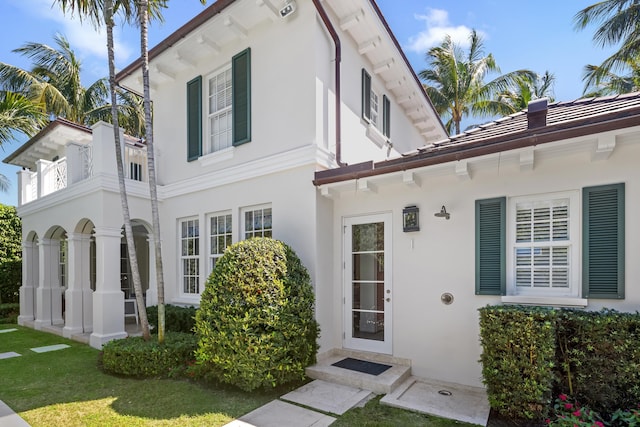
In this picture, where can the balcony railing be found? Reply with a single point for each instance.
(82, 161)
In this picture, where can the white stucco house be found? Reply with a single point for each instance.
(304, 121)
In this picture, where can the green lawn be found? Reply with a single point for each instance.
(65, 387)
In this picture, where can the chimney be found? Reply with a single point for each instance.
(537, 113)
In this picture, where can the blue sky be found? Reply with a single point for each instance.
(520, 34)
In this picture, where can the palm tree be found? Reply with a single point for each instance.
(54, 82)
(106, 9)
(599, 82)
(18, 114)
(618, 22)
(527, 90)
(455, 82)
(143, 19)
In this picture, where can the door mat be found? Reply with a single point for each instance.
(363, 366)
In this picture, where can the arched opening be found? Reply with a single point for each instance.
(30, 279)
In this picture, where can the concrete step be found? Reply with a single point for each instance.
(384, 383)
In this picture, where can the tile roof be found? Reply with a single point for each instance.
(564, 120)
(559, 114)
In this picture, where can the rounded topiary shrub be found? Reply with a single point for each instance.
(255, 324)
(136, 357)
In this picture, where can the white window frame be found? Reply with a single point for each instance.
(213, 251)
(574, 245)
(374, 111)
(210, 146)
(247, 234)
(182, 258)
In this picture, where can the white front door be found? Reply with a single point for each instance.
(367, 283)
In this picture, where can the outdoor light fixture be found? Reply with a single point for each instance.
(410, 219)
(288, 9)
(443, 213)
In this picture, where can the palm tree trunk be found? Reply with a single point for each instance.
(143, 7)
(133, 258)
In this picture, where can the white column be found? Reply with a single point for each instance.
(152, 292)
(108, 299)
(29, 283)
(49, 292)
(78, 278)
(87, 295)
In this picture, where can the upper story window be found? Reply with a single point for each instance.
(190, 256)
(375, 111)
(552, 246)
(227, 107)
(219, 124)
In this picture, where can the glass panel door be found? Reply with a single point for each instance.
(367, 283)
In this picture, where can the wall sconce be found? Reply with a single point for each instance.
(410, 219)
(443, 213)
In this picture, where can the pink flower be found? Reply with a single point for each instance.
(547, 421)
(568, 406)
(562, 397)
(599, 424)
(577, 413)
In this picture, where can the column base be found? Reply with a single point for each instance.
(25, 321)
(68, 331)
(98, 340)
(39, 324)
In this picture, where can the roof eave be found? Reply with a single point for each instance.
(528, 138)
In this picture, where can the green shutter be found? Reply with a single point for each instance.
(491, 270)
(386, 116)
(603, 241)
(366, 95)
(241, 103)
(194, 118)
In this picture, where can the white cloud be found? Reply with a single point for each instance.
(437, 26)
(86, 41)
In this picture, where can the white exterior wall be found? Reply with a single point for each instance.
(356, 145)
(443, 340)
(282, 93)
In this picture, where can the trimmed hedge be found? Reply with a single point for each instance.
(517, 359)
(136, 357)
(530, 354)
(255, 323)
(9, 313)
(599, 358)
(176, 318)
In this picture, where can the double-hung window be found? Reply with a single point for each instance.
(376, 111)
(220, 237)
(219, 113)
(223, 105)
(257, 222)
(190, 256)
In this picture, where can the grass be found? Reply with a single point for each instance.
(65, 387)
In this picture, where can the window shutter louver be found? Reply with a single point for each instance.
(241, 105)
(603, 241)
(386, 116)
(490, 246)
(194, 118)
(366, 95)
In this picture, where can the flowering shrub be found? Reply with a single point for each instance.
(569, 413)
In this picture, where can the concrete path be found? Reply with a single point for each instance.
(282, 414)
(8, 418)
